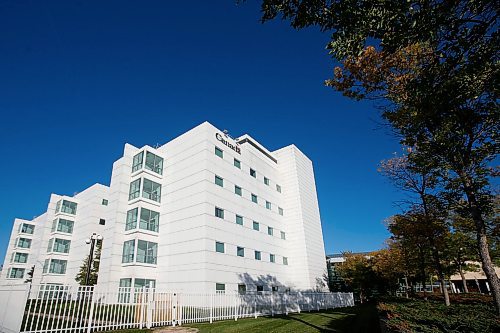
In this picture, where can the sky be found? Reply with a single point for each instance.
(79, 79)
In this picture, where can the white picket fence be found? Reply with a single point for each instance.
(56, 308)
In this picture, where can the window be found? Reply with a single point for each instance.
(146, 252)
(220, 288)
(57, 266)
(124, 291)
(219, 181)
(68, 207)
(154, 163)
(104, 202)
(131, 222)
(239, 220)
(139, 283)
(128, 251)
(135, 189)
(240, 251)
(150, 220)
(24, 243)
(219, 247)
(50, 245)
(274, 289)
(237, 163)
(61, 245)
(27, 228)
(16, 273)
(219, 212)
(266, 180)
(137, 161)
(242, 289)
(283, 236)
(278, 188)
(272, 258)
(256, 226)
(253, 173)
(270, 231)
(21, 258)
(219, 152)
(260, 288)
(237, 190)
(280, 211)
(257, 255)
(65, 226)
(254, 198)
(151, 190)
(285, 261)
(268, 205)
(126, 283)
(102, 222)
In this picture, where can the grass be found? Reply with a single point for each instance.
(363, 318)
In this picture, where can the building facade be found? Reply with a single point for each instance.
(203, 212)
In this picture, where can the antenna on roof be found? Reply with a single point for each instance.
(157, 145)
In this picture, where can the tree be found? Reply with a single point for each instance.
(358, 273)
(390, 267)
(434, 64)
(30, 273)
(94, 271)
(411, 236)
(427, 209)
(461, 249)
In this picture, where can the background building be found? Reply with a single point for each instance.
(203, 212)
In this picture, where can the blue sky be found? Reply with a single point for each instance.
(79, 79)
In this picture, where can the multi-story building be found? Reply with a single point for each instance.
(203, 212)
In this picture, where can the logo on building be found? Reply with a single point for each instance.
(234, 147)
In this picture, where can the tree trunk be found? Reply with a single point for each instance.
(445, 292)
(482, 243)
(439, 269)
(406, 287)
(464, 281)
(422, 270)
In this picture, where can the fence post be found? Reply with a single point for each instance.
(91, 312)
(272, 303)
(149, 307)
(179, 310)
(255, 305)
(285, 296)
(211, 308)
(175, 311)
(141, 307)
(236, 307)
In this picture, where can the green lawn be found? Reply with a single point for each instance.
(353, 320)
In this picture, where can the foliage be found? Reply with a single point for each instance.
(402, 315)
(94, 272)
(435, 66)
(371, 275)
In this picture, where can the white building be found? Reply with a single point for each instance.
(203, 212)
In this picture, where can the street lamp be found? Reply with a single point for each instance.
(91, 240)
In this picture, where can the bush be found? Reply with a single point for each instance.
(415, 315)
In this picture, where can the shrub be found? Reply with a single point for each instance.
(415, 315)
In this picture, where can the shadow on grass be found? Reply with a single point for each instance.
(359, 319)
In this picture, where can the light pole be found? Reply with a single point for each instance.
(91, 240)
